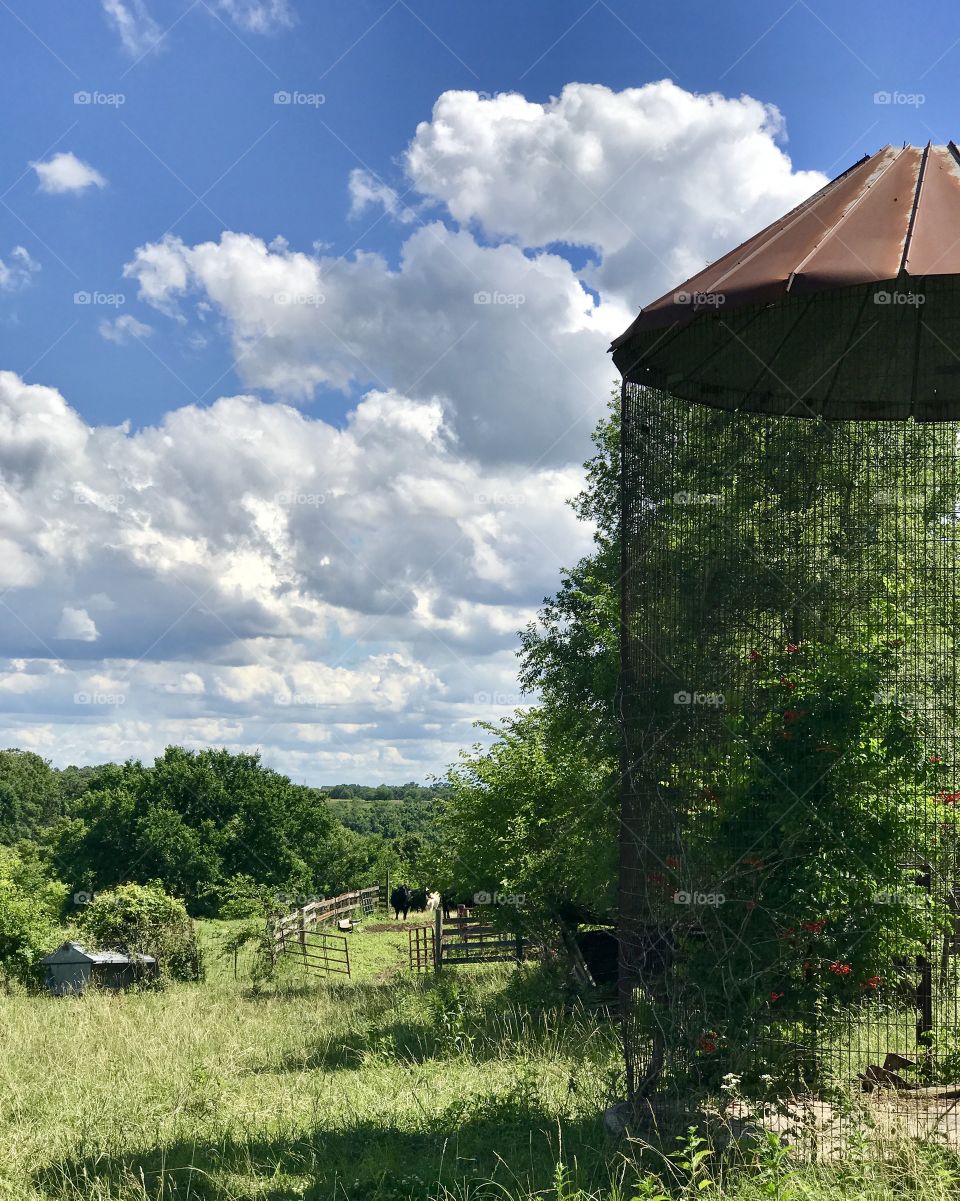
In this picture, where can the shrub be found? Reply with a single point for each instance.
(30, 908)
(142, 919)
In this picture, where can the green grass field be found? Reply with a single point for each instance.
(382, 1086)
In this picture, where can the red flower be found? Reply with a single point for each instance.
(789, 932)
(754, 656)
(792, 648)
(935, 759)
(706, 1042)
(873, 982)
(775, 996)
(814, 927)
(753, 860)
(656, 877)
(948, 798)
(840, 969)
(672, 861)
(787, 682)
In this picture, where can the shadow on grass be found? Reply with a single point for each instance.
(501, 1141)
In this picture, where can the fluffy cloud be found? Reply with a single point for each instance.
(656, 179)
(250, 575)
(76, 625)
(136, 28)
(123, 328)
(368, 192)
(509, 336)
(513, 344)
(18, 270)
(65, 172)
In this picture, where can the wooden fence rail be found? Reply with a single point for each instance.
(309, 917)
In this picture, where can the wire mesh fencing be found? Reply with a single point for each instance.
(790, 832)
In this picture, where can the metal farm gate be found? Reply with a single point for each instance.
(461, 941)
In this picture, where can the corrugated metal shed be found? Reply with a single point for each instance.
(71, 968)
(848, 306)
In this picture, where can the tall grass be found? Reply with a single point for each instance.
(480, 1085)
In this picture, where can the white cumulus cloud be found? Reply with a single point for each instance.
(18, 270)
(76, 625)
(64, 172)
(136, 28)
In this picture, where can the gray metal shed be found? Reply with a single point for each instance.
(71, 968)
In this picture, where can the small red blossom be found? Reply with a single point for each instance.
(948, 798)
(792, 648)
(787, 682)
(814, 927)
(706, 1042)
(775, 996)
(936, 759)
(753, 860)
(672, 861)
(754, 656)
(873, 982)
(656, 877)
(840, 969)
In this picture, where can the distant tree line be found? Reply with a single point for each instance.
(218, 830)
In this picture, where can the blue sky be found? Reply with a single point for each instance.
(230, 567)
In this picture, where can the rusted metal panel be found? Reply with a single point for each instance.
(935, 243)
(847, 307)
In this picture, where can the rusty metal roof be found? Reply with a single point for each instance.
(848, 306)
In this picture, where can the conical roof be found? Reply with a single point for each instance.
(847, 307)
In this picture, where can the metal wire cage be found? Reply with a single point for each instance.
(790, 827)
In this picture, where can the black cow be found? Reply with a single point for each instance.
(400, 901)
(452, 901)
(418, 899)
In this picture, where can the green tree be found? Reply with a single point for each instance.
(31, 905)
(144, 920)
(29, 795)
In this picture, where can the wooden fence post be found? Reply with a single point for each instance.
(438, 939)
